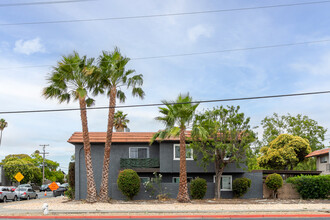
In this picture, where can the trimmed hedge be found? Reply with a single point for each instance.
(311, 187)
(274, 182)
(241, 186)
(129, 183)
(198, 188)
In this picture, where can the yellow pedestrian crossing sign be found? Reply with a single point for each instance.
(19, 176)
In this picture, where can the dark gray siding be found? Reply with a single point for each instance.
(169, 165)
(117, 151)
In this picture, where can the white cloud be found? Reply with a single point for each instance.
(319, 67)
(199, 31)
(29, 46)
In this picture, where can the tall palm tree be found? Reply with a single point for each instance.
(114, 76)
(176, 118)
(3, 125)
(120, 121)
(70, 79)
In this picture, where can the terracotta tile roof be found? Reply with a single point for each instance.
(319, 152)
(118, 137)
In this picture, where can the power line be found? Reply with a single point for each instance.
(165, 15)
(196, 53)
(161, 104)
(43, 3)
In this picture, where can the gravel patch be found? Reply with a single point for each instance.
(63, 204)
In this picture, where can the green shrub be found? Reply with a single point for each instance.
(241, 186)
(198, 188)
(70, 193)
(274, 182)
(71, 175)
(128, 183)
(311, 187)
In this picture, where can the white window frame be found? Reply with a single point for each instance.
(129, 152)
(231, 182)
(326, 159)
(144, 177)
(187, 158)
(179, 179)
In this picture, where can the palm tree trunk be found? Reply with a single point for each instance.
(91, 187)
(183, 186)
(103, 197)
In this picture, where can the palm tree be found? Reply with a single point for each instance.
(3, 125)
(120, 121)
(70, 79)
(176, 117)
(113, 77)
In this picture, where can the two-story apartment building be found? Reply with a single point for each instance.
(322, 160)
(132, 150)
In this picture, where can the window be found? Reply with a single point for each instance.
(324, 159)
(139, 152)
(177, 179)
(225, 183)
(144, 179)
(176, 152)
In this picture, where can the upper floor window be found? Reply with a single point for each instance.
(176, 152)
(139, 152)
(324, 159)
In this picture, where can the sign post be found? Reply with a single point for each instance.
(19, 178)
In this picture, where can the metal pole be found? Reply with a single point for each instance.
(43, 162)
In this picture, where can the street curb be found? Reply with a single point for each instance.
(172, 216)
(182, 211)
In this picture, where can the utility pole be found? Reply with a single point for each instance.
(43, 161)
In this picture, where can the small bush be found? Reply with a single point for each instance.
(274, 182)
(198, 188)
(241, 186)
(311, 187)
(71, 175)
(70, 193)
(128, 183)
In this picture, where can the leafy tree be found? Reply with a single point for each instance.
(176, 118)
(72, 78)
(112, 78)
(299, 125)
(284, 152)
(31, 173)
(222, 136)
(3, 125)
(120, 121)
(36, 160)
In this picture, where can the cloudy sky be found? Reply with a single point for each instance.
(282, 70)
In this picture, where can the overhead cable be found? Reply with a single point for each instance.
(162, 104)
(164, 15)
(42, 3)
(196, 53)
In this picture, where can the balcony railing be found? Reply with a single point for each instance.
(139, 163)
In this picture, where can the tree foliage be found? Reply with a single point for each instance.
(274, 182)
(120, 121)
(299, 125)
(3, 125)
(222, 136)
(284, 152)
(31, 173)
(32, 167)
